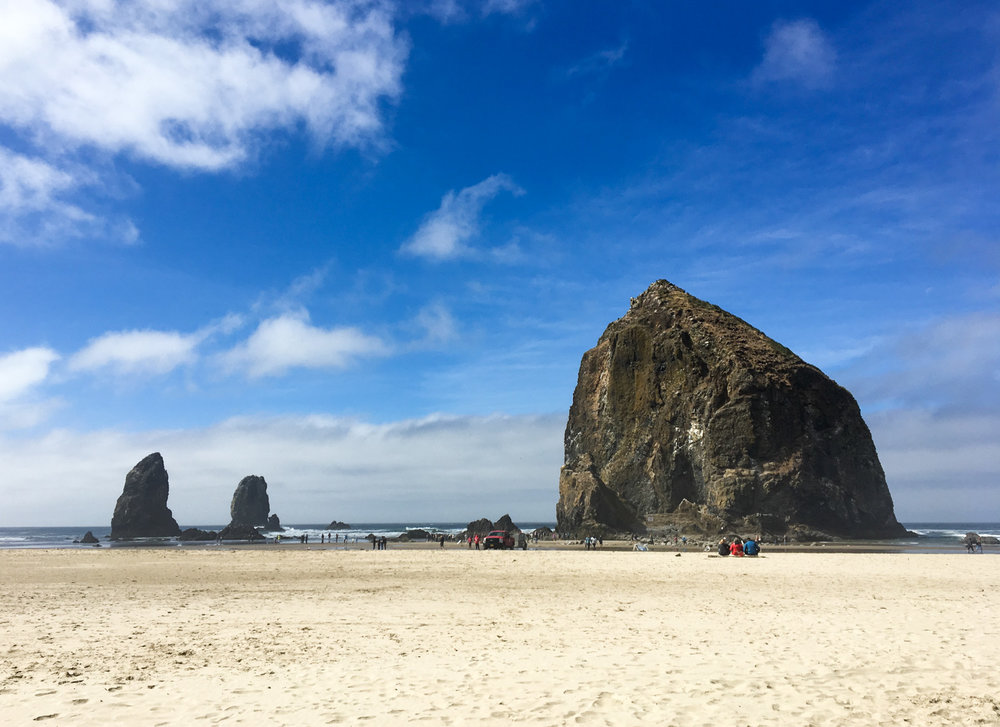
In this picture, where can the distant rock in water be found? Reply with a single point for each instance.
(685, 416)
(250, 503)
(274, 524)
(141, 510)
(89, 538)
(337, 525)
(198, 535)
(505, 523)
(240, 531)
(481, 526)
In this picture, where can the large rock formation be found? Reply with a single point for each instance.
(686, 416)
(141, 510)
(250, 503)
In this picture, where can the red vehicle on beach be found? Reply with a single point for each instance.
(499, 539)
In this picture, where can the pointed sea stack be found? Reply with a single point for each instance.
(141, 510)
(685, 416)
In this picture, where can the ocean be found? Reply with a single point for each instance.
(930, 537)
(64, 537)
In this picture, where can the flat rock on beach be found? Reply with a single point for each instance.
(456, 637)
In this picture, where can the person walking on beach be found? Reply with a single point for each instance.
(476, 541)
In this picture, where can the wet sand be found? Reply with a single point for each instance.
(313, 635)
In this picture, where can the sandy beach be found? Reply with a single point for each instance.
(312, 636)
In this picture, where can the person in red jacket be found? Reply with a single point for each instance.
(736, 548)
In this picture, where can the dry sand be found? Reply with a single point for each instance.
(307, 636)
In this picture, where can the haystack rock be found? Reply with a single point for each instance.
(686, 417)
(141, 510)
(250, 504)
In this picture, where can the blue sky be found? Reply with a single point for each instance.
(359, 248)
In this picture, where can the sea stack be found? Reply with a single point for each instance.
(248, 510)
(686, 417)
(141, 510)
(250, 503)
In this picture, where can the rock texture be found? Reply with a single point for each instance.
(141, 510)
(274, 524)
(250, 503)
(686, 416)
(89, 538)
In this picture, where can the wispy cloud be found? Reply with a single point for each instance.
(797, 52)
(949, 364)
(290, 341)
(437, 324)
(446, 232)
(457, 11)
(187, 85)
(599, 63)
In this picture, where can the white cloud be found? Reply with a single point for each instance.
(290, 341)
(797, 51)
(444, 233)
(147, 352)
(21, 371)
(318, 468)
(137, 352)
(188, 84)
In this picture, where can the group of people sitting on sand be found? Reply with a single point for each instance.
(739, 547)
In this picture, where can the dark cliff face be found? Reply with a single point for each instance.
(682, 404)
(141, 510)
(250, 504)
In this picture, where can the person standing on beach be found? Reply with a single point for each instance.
(476, 541)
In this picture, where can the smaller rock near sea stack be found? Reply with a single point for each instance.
(505, 523)
(250, 502)
(198, 535)
(481, 526)
(89, 538)
(338, 525)
(239, 531)
(274, 524)
(141, 510)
